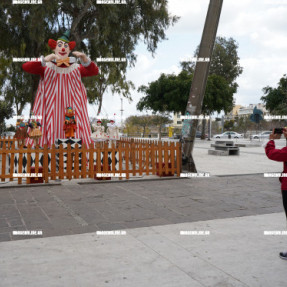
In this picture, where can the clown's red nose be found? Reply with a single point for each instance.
(63, 49)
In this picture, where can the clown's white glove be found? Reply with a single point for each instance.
(85, 61)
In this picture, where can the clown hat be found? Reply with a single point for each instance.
(65, 36)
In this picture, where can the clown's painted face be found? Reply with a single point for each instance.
(62, 49)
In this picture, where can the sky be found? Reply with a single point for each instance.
(258, 26)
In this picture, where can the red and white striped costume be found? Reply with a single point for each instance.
(59, 88)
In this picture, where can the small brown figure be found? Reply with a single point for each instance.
(21, 132)
(35, 132)
(70, 123)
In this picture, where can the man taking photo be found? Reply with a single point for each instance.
(279, 155)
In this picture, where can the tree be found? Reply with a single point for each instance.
(218, 96)
(141, 121)
(229, 124)
(244, 124)
(99, 30)
(140, 124)
(170, 92)
(109, 77)
(133, 125)
(275, 99)
(23, 31)
(162, 95)
(13, 90)
(224, 61)
(159, 121)
(6, 112)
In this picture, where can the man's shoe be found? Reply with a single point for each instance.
(283, 255)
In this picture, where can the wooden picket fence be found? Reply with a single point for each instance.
(125, 159)
(8, 142)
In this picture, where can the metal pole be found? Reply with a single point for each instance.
(122, 109)
(209, 128)
(194, 104)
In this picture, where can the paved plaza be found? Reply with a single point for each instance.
(163, 232)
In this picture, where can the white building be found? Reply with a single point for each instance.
(248, 111)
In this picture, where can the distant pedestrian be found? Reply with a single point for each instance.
(279, 155)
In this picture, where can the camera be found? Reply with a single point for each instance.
(278, 131)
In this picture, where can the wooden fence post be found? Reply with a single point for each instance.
(46, 163)
(20, 164)
(84, 161)
(178, 158)
(12, 156)
(153, 158)
(159, 158)
(91, 160)
(172, 152)
(76, 161)
(120, 160)
(61, 161)
(53, 162)
(28, 152)
(3, 171)
(165, 153)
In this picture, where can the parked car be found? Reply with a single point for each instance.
(262, 135)
(227, 135)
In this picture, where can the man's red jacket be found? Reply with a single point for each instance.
(278, 155)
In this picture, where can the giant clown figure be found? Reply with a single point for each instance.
(60, 87)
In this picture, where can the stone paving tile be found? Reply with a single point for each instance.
(8, 210)
(14, 222)
(3, 223)
(5, 237)
(5, 197)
